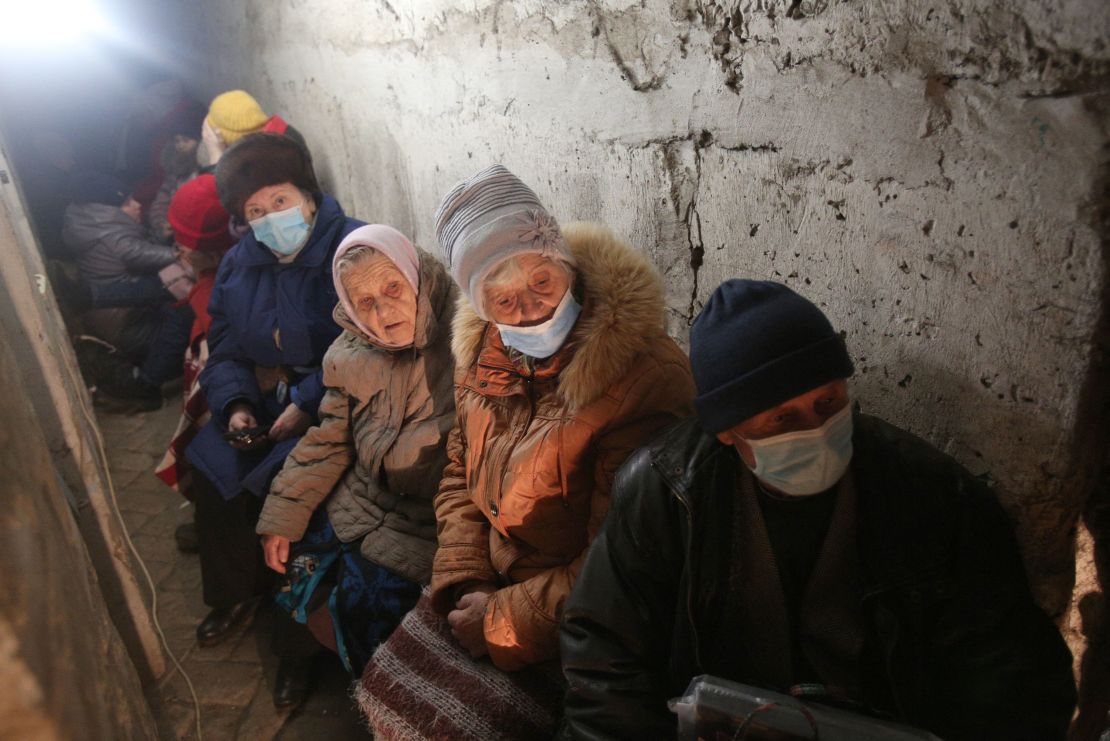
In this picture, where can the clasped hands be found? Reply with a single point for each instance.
(467, 620)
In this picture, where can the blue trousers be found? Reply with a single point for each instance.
(156, 341)
(132, 293)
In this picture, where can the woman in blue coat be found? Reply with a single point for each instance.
(272, 323)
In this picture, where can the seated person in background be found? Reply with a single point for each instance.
(784, 541)
(231, 116)
(379, 450)
(200, 229)
(271, 310)
(179, 166)
(119, 262)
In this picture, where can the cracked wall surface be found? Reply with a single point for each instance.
(928, 172)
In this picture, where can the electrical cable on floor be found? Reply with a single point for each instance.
(91, 421)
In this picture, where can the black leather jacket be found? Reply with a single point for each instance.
(954, 641)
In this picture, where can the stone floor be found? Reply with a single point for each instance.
(233, 680)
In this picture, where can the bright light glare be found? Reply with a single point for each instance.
(48, 23)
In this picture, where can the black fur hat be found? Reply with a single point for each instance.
(260, 160)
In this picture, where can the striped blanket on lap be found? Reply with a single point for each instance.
(174, 471)
(421, 685)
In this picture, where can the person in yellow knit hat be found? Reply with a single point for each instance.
(234, 114)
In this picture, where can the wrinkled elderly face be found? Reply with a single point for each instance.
(806, 411)
(383, 300)
(279, 197)
(525, 290)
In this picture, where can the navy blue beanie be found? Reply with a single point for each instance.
(96, 187)
(757, 344)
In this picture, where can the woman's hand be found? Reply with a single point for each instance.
(276, 549)
(241, 418)
(468, 619)
(291, 423)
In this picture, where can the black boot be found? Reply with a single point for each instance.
(291, 685)
(186, 537)
(222, 622)
(127, 386)
(99, 362)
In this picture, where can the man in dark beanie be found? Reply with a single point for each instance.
(782, 540)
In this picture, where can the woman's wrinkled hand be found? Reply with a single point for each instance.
(276, 550)
(291, 423)
(467, 622)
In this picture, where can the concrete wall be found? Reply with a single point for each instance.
(929, 172)
(65, 670)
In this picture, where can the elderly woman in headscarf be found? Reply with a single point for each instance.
(374, 461)
(271, 311)
(563, 369)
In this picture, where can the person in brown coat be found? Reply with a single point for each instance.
(375, 459)
(563, 368)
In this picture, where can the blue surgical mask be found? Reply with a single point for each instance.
(283, 232)
(543, 340)
(806, 462)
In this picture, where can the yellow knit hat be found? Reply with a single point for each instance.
(235, 114)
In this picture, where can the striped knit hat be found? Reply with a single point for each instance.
(487, 218)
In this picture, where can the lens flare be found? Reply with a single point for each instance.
(49, 23)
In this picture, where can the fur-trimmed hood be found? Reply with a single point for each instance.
(623, 314)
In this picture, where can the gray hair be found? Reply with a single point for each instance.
(355, 256)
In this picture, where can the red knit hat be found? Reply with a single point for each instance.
(198, 219)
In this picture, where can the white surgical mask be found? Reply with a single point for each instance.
(284, 232)
(543, 340)
(211, 146)
(806, 462)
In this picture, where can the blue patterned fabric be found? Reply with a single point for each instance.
(367, 605)
(366, 601)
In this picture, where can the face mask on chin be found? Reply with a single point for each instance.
(544, 340)
(283, 232)
(806, 462)
(204, 156)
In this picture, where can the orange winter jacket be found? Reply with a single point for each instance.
(533, 453)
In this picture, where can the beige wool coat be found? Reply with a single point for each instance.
(534, 453)
(377, 455)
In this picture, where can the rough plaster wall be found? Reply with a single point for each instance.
(65, 672)
(924, 170)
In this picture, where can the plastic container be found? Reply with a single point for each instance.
(716, 709)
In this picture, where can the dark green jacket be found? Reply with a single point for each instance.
(954, 641)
